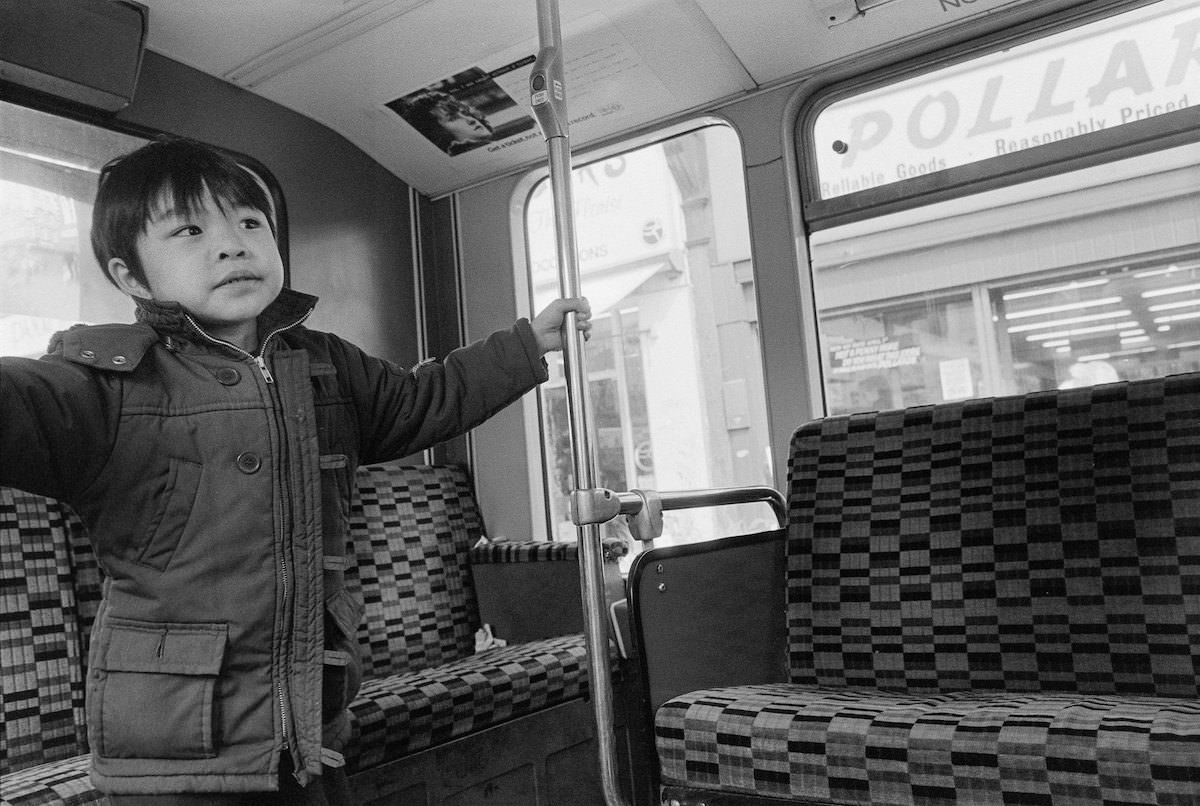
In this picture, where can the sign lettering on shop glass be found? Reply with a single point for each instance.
(1068, 85)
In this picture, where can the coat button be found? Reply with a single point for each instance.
(119, 360)
(228, 376)
(88, 355)
(249, 462)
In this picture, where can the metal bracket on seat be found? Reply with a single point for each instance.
(642, 509)
(647, 523)
(597, 505)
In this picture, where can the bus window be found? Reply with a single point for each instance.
(49, 279)
(674, 362)
(1065, 276)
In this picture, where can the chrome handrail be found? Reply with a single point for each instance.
(547, 88)
(644, 508)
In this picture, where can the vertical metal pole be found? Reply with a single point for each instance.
(548, 98)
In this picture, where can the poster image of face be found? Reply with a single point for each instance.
(466, 111)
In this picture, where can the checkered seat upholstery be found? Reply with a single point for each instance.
(412, 531)
(988, 602)
(49, 592)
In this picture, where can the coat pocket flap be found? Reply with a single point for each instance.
(163, 648)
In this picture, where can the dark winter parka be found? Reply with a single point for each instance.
(215, 487)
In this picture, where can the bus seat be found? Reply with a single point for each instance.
(988, 601)
(427, 697)
(423, 683)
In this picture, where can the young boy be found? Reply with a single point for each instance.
(210, 449)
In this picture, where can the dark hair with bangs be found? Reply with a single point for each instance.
(133, 186)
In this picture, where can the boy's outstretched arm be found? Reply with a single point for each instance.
(56, 428)
(406, 410)
(548, 325)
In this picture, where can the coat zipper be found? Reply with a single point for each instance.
(262, 367)
(261, 358)
(261, 362)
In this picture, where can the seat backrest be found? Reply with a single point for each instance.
(411, 532)
(1048, 541)
(49, 592)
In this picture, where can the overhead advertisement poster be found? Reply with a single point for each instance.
(481, 113)
(469, 110)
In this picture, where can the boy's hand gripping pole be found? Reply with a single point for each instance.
(547, 90)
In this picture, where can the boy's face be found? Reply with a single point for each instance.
(222, 266)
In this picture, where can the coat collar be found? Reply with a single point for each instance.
(170, 319)
(120, 348)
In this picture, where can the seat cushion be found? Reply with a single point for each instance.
(63, 783)
(401, 714)
(858, 745)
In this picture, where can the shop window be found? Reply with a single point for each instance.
(901, 355)
(1124, 322)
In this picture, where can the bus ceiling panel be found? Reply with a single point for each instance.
(781, 39)
(437, 90)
